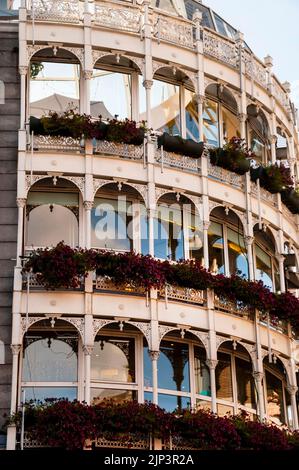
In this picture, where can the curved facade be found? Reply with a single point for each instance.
(177, 347)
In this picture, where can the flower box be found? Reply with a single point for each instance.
(177, 144)
(290, 198)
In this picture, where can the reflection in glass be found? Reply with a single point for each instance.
(113, 360)
(202, 373)
(224, 389)
(263, 271)
(211, 123)
(173, 366)
(48, 393)
(224, 410)
(165, 112)
(111, 224)
(245, 383)
(275, 408)
(195, 235)
(147, 368)
(118, 396)
(111, 94)
(55, 88)
(168, 232)
(47, 225)
(230, 123)
(171, 402)
(50, 359)
(203, 405)
(191, 113)
(237, 254)
(216, 248)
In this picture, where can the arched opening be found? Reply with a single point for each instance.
(235, 387)
(178, 229)
(52, 214)
(281, 145)
(173, 105)
(120, 74)
(115, 364)
(258, 134)
(278, 402)
(266, 265)
(227, 250)
(183, 376)
(119, 219)
(50, 361)
(54, 82)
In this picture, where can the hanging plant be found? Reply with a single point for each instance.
(35, 69)
(234, 156)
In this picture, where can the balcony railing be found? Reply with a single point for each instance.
(182, 294)
(219, 47)
(70, 11)
(255, 69)
(131, 152)
(172, 29)
(117, 16)
(48, 143)
(234, 308)
(175, 160)
(104, 283)
(225, 176)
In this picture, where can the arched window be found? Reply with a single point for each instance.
(115, 369)
(235, 388)
(258, 131)
(183, 376)
(266, 265)
(54, 82)
(227, 251)
(178, 231)
(119, 220)
(52, 214)
(278, 403)
(117, 74)
(220, 117)
(50, 361)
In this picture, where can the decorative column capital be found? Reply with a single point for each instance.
(212, 363)
(15, 348)
(197, 17)
(21, 202)
(258, 376)
(23, 70)
(280, 257)
(248, 239)
(292, 389)
(199, 99)
(206, 224)
(147, 84)
(88, 205)
(88, 74)
(87, 349)
(242, 117)
(273, 139)
(154, 355)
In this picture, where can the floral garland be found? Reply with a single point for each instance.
(65, 267)
(68, 425)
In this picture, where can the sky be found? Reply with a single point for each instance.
(270, 27)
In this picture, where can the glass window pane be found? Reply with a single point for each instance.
(147, 368)
(99, 394)
(224, 410)
(106, 103)
(113, 360)
(220, 25)
(165, 103)
(191, 115)
(47, 225)
(245, 383)
(50, 360)
(195, 235)
(144, 231)
(237, 253)
(216, 248)
(173, 366)
(263, 270)
(210, 123)
(169, 234)
(223, 372)
(111, 224)
(55, 88)
(230, 123)
(45, 393)
(202, 372)
(203, 405)
(171, 402)
(275, 408)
